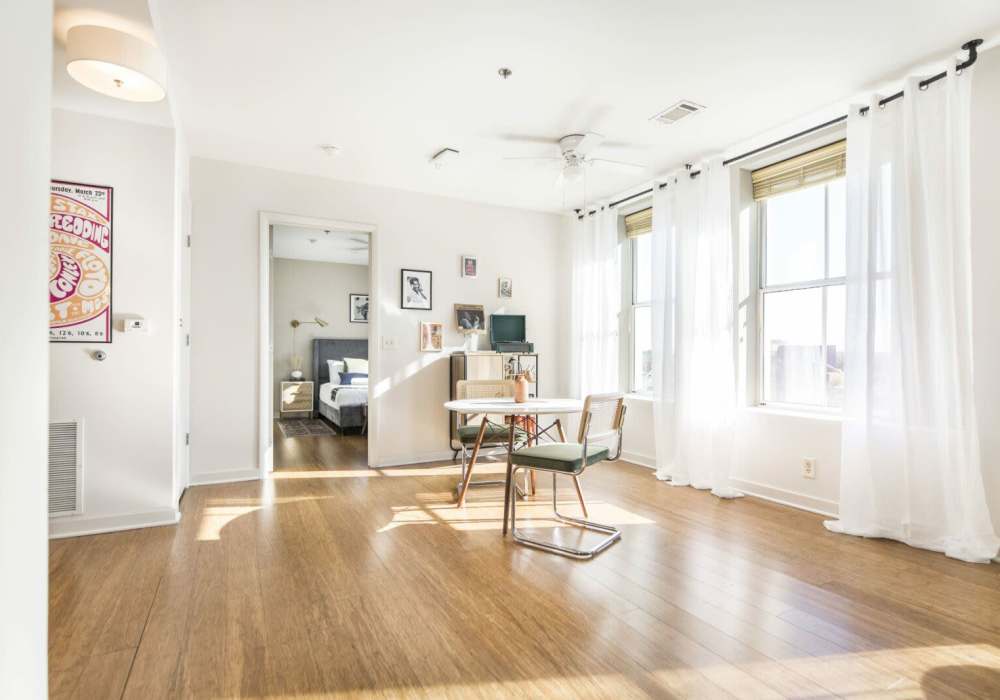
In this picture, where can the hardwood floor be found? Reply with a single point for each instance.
(333, 580)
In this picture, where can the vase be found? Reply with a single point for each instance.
(520, 389)
(296, 374)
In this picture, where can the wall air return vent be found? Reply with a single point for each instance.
(65, 467)
(674, 113)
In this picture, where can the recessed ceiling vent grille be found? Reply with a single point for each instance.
(674, 113)
(65, 467)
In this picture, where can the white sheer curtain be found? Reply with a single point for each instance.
(910, 454)
(694, 306)
(596, 304)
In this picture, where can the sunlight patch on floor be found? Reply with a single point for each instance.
(214, 518)
(488, 515)
(482, 469)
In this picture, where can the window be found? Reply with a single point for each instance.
(802, 256)
(639, 297)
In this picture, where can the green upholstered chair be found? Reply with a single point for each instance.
(602, 419)
(495, 435)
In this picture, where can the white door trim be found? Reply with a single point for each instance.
(265, 405)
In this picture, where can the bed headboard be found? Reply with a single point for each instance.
(333, 349)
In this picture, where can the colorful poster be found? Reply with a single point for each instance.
(80, 222)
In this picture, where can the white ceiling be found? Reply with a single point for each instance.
(129, 16)
(394, 81)
(297, 243)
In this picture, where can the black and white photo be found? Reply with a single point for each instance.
(505, 288)
(359, 308)
(415, 289)
(470, 318)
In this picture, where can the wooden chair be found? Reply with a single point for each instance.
(603, 413)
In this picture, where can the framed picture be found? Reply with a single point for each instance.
(358, 306)
(470, 266)
(470, 318)
(431, 336)
(505, 288)
(415, 289)
(80, 232)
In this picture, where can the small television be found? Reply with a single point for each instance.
(506, 328)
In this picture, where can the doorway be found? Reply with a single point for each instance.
(318, 358)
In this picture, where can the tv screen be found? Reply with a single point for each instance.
(506, 328)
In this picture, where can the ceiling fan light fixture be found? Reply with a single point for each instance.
(115, 64)
(573, 172)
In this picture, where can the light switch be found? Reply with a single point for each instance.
(388, 342)
(136, 325)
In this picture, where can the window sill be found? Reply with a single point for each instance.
(824, 416)
(647, 398)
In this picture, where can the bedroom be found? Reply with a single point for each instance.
(319, 339)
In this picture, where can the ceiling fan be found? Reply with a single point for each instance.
(362, 243)
(576, 158)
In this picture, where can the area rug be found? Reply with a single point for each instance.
(305, 427)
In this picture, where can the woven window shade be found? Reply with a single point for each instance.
(639, 223)
(812, 168)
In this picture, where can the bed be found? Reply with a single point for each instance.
(344, 406)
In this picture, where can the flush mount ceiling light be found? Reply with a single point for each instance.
(115, 64)
(444, 157)
(330, 150)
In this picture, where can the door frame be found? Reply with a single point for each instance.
(265, 334)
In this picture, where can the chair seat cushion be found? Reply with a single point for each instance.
(494, 433)
(559, 456)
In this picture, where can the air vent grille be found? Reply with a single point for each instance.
(64, 467)
(674, 113)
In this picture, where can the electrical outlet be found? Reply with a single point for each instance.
(808, 468)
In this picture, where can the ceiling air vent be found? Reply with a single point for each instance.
(65, 467)
(676, 112)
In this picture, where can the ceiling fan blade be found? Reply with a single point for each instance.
(528, 138)
(589, 142)
(560, 180)
(618, 163)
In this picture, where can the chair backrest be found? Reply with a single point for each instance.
(603, 417)
(483, 389)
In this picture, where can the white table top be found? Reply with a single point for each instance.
(507, 407)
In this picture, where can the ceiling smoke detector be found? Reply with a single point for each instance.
(329, 149)
(676, 112)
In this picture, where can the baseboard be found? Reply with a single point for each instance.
(440, 456)
(794, 499)
(79, 525)
(641, 460)
(226, 477)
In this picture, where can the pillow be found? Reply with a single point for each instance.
(360, 381)
(356, 366)
(347, 378)
(336, 367)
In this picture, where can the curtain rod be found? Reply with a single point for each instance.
(971, 46)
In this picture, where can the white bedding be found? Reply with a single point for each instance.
(345, 395)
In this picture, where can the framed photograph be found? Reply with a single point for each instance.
(470, 266)
(470, 318)
(431, 336)
(358, 306)
(80, 232)
(505, 288)
(415, 289)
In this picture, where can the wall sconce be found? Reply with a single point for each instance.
(296, 360)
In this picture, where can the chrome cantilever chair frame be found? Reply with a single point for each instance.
(613, 533)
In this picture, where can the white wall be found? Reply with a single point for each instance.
(771, 444)
(126, 401)
(303, 289)
(985, 262)
(25, 71)
(413, 230)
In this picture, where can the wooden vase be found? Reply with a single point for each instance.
(520, 389)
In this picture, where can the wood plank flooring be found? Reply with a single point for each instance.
(333, 580)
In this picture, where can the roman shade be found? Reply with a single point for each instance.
(639, 222)
(815, 167)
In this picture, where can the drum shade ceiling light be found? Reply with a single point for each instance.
(115, 64)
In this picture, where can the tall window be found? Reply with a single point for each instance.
(802, 257)
(638, 227)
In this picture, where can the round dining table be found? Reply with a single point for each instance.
(512, 410)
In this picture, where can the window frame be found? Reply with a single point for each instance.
(629, 304)
(760, 288)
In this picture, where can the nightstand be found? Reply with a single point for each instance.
(296, 397)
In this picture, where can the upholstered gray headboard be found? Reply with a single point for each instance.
(333, 349)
